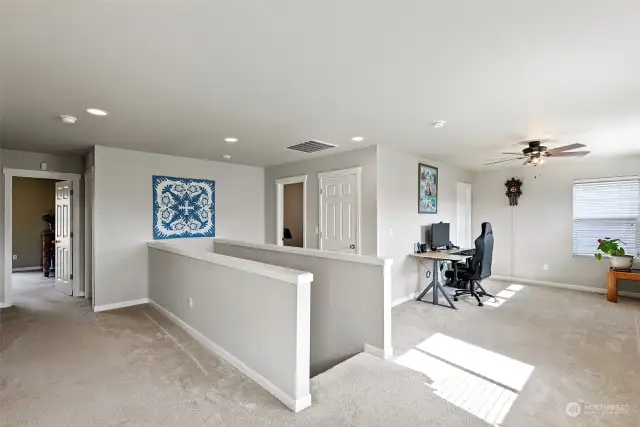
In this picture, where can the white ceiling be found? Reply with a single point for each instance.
(178, 78)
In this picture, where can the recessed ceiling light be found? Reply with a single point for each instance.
(231, 140)
(68, 119)
(226, 157)
(357, 138)
(438, 124)
(97, 112)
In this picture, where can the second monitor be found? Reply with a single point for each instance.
(440, 235)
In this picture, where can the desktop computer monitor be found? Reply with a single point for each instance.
(440, 235)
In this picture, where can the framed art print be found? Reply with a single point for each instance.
(183, 207)
(427, 189)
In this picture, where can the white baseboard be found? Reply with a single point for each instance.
(402, 300)
(5, 305)
(378, 352)
(123, 304)
(16, 270)
(563, 286)
(294, 404)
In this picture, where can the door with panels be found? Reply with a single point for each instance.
(340, 211)
(64, 259)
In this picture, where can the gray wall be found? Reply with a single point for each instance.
(252, 317)
(32, 197)
(27, 160)
(539, 230)
(124, 213)
(400, 226)
(365, 158)
(350, 305)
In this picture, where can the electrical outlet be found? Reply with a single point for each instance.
(15, 257)
(190, 302)
(316, 231)
(545, 267)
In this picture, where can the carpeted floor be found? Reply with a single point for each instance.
(63, 365)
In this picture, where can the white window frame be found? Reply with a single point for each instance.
(606, 179)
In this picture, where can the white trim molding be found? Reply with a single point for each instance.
(363, 259)
(19, 269)
(78, 265)
(292, 403)
(288, 275)
(384, 354)
(563, 286)
(396, 302)
(117, 305)
(280, 183)
(357, 171)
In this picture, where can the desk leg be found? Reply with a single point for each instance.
(612, 286)
(437, 287)
(435, 282)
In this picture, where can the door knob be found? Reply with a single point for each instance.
(352, 247)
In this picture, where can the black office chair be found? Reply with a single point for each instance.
(477, 269)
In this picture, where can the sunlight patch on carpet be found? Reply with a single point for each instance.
(483, 383)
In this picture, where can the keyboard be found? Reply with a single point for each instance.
(467, 252)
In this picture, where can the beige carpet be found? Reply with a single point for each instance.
(63, 365)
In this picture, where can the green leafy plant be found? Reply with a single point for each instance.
(610, 247)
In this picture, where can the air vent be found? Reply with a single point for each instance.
(311, 146)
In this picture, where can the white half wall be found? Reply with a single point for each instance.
(256, 316)
(350, 298)
(400, 226)
(539, 231)
(124, 213)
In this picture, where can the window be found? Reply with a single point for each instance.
(606, 208)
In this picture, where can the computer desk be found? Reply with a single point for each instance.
(437, 257)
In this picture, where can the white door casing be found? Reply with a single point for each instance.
(9, 174)
(280, 183)
(340, 210)
(64, 252)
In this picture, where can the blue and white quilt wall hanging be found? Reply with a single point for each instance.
(183, 207)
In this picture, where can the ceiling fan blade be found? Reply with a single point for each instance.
(568, 154)
(513, 154)
(566, 148)
(502, 161)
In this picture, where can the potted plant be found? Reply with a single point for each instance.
(619, 260)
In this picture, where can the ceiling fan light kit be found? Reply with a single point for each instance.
(536, 153)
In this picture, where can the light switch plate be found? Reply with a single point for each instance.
(190, 302)
(15, 257)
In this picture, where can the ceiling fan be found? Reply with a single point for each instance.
(536, 153)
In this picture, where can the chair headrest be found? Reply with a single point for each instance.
(486, 228)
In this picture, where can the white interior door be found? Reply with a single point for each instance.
(339, 216)
(63, 263)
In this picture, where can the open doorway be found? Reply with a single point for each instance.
(33, 235)
(292, 211)
(42, 234)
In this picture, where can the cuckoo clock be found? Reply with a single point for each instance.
(514, 190)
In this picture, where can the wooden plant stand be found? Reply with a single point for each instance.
(612, 281)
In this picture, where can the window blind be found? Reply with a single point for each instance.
(606, 208)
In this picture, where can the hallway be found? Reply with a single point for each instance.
(63, 365)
